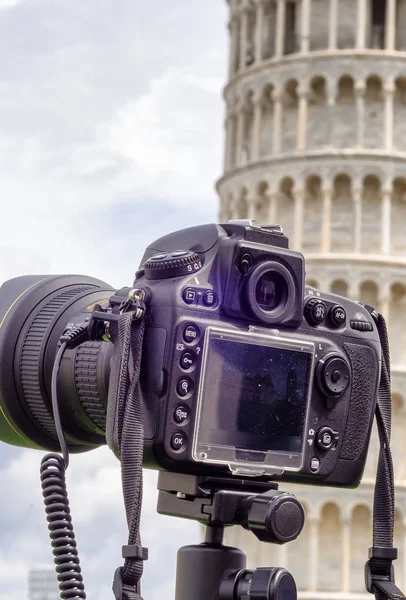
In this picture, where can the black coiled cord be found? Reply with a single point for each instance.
(54, 492)
(60, 527)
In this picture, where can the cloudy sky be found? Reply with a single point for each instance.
(111, 135)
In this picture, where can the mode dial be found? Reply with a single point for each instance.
(172, 264)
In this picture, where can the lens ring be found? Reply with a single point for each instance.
(271, 292)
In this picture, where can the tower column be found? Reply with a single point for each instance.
(244, 36)
(331, 102)
(390, 25)
(360, 98)
(240, 135)
(384, 300)
(305, 26)
(386, 220)
(280, 28)
(272, 207)
(325, 242)
(233, 28)
(229, 142)
(298, 218)
(345, 555)
(251, 207)
(332, 25)
(388, 133)
(303, 94)
(357, 198)
(256, 127)
(361, 23)
(259, 26)
(277, 122)
(314, 545)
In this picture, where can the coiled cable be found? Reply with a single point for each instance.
(54, 492)
(60, 527)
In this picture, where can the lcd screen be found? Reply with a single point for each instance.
(254, 398)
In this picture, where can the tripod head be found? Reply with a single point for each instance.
(211, 571)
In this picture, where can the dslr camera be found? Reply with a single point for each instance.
(246, 371)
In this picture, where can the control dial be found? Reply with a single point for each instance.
(172, 264)
(334, 376)
(315, 311)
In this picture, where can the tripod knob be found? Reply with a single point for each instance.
(261, 584)
(274, 517)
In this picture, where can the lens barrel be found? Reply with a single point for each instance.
(34, 312)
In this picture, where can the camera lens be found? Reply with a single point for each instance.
(270, 293)
(271, 290)
(34, 312)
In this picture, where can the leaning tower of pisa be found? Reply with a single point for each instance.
(316, 141)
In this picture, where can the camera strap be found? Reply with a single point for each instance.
(125, 432)
(379, 570)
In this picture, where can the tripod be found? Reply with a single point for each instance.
(212, 571)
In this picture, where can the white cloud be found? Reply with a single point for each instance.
(110, 136)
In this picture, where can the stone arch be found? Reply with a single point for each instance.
(397, 323)
(369, 293)
(267, 121)
(313, 214)
(312, 282)
(340, 288)
(318, 113)
(342, 225)
(285, 205)
(360, 531)
(398, 437)
(298, 557)
(374, 113)
(399, 108)
(371, 214)
(398, 216)
(330, 562)
(289, 115)
(262, 203)
(346, 33)
(345, 114)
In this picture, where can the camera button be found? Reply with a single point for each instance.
(178, 441)
(184, 387)
(326, 438)
(181, 414)
(314, 464)
(338, 316)
(190, 334)
(315, 311)
(336, 376)
(189, 296)
(187, 360)
(209, 298)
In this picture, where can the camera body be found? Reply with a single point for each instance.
(246, 371)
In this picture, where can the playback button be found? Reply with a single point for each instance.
(184, 387)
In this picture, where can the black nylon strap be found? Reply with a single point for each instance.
(124, 394)
(379, 571)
